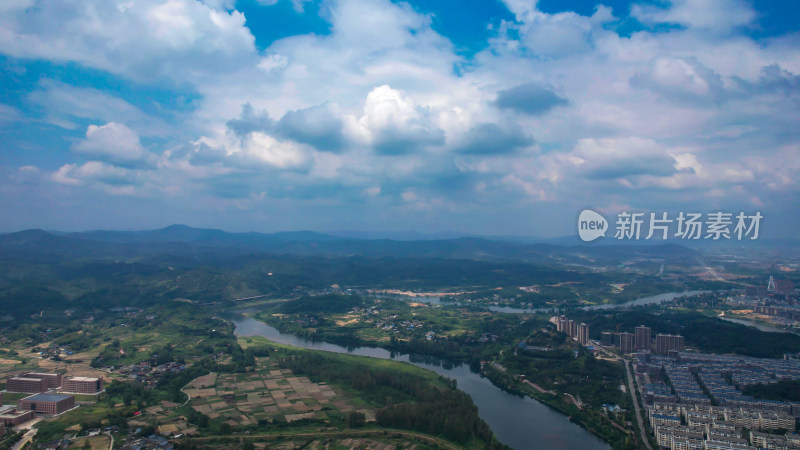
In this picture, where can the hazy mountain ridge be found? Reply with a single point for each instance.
(184, 240)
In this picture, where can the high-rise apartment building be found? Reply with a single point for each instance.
(642, 337)
(626, 342)
(583, 334)
(668, 342)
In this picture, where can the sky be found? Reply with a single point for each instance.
(484, 117)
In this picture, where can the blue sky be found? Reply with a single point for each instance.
(484, 117)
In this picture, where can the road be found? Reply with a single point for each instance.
(250, 298)
(25, 439)
(639, 420)
(537, 387)
(632, 390)
(574, 400)
(188, 397)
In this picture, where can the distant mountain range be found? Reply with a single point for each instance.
(183, 240)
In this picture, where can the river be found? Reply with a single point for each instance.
(521, 423)
(653, 299)
(761, 326)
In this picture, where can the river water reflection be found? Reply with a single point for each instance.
(522, 423)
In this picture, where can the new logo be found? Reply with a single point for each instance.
(591, 225)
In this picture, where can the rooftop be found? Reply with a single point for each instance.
(47, 397)
(12, 413)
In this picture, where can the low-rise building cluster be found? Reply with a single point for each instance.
(148, 375)
(151, 442)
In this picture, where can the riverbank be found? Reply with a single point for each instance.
(593, 419)
(515, 421)
(760, 325)
(602, 427)
(590, 417)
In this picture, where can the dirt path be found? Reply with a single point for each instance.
(574, 400)
(537, 387)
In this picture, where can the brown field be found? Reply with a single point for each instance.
(347, 320)
(79, 370)
(335, 443)
(270, 393)
(96, 442)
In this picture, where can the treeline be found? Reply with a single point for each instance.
(168, 386)
(321, 304)
(784, 390)
(404, 400)
(104, 279)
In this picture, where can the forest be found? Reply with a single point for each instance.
(405, 400)
(784, 390)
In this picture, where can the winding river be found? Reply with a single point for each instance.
(522, 423)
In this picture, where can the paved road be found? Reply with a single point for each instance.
(639, 420)
(632, 390)
(25, 439)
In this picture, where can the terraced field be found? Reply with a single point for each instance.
(270, 394)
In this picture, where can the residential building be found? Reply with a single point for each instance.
(642, 337)
(785, 287)
(572, 328)
(609, 338)
(668, 342)
(626, 342)
(583, 334)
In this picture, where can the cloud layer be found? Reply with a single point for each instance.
(384, 121)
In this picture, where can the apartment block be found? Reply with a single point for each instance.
(583, 334)
(642, 336)
(626, 342)
(668, 342)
